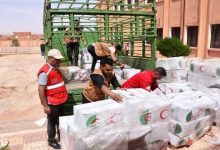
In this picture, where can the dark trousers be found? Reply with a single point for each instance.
(53, 121)
(73, 52)
(91, 50)
(84, 99)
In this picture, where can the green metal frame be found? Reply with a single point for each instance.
(112, 21)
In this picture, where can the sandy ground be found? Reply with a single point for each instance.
(19, 102)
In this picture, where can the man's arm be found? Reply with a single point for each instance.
(115, 82)
(42, 95)
(42, 80)
(99, 82)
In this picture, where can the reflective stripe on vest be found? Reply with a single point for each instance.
(55, 86)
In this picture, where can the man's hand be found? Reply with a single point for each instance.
(47, 110)
(117, 97)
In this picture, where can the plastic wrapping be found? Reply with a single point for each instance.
(118, 73)
(95, 113)
(113, 136)
(188, 140)
(175, 76)
(173, 63)
(205, 80)
(210, 68)
(67, 132)
(128, 73)
(185, 129)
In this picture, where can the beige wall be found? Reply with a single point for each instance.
(175, 13)
(22, 43)
(191, 12)
(184, 13)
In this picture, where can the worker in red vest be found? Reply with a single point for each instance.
(52, 93)
(146, 79)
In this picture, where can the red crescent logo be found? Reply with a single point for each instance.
(162, 112)
(202, 68)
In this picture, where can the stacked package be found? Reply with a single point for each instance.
(86, 60)
(175, 67)
(193, 113)
(148, 117)
(78, 74)
(128, 73)
(205, 72)
(75, 73)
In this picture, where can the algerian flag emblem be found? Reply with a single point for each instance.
(178, 129)
(145, 117)
(91, 121)
(189, 116)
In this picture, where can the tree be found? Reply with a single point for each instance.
(172, 47)
(15, 42)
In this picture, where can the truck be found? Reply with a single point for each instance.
(129, 23)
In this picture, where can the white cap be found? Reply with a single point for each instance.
(55, 53)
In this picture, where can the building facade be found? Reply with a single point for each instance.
(195, 22)
(23, 39)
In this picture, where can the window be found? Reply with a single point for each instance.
(129, 3)
(150, 1)
(159, 33)
(215, 36)
(192, 36)
(175, 32)
(136, 1)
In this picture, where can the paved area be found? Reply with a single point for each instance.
(37, 140)
(26, 140)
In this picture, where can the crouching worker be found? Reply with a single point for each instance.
(103, 50)
(146, 79)
(98, 86)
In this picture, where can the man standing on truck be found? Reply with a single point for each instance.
(103, 50)
(52, 93)
(98, 86)
(72, 44)
(146, 79)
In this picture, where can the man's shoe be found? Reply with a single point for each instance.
(54, 144)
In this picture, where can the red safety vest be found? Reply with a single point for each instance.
(55, 90)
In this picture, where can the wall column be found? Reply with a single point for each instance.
(203, 28)
(166, 18)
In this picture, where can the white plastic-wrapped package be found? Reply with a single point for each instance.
(87, 66)
(148, 111)
(175, 75)
(128, 73)
(188, 140)
(133, 93)
(118, 73)
(81, 75)
(187, 110)
(86, 56)
(173, 63)
(185, 129)
(210, 68)
(78, 74)
(88, 106)
(68, 132)
(205, 80)
(104, 137)
(186, 62)
(173, 89)
(109, 113)
(140, 138)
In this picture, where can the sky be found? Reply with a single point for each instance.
(21, 16)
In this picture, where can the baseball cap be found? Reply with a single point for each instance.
(55, 53)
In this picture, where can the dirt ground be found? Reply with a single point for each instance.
(19, 102)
